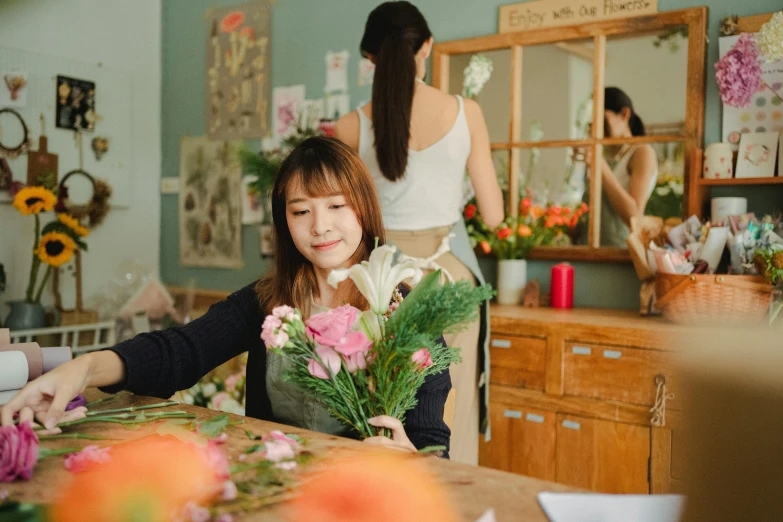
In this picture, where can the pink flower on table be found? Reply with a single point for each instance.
(279, 436)
(195, 513)
(276, 451)
(216, 459)
(229, 490)
(87, 458)
(287, 465)
(329, 357)
(18, 452)
(422, 358)
(329, 327)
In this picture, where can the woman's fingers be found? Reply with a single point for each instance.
(398, 430)
(74, 414)
(385, 442)
(26, 415)
(57, 409)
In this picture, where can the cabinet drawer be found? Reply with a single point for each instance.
(517, 361)
(615, 373)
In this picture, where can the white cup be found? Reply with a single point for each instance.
(718, 160)
(725, 207)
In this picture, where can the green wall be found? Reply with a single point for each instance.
(302, 31)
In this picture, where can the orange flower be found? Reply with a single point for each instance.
(485, 247)
(470, 211)
(524, 231)
(574, 221)
(374, 486)
(583, 207)
(537, 212)
(504, 232)
(524, 205)
(554, 210)
(549, 222)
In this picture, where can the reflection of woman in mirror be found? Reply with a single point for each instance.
(417, 142)
(628, 172)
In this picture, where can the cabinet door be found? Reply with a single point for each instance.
(523, 441)
(517, 361)
(603, 456)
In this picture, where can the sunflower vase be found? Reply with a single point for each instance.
(25, 316)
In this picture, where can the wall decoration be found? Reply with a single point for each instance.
(14, 93)
(366, 72)
(100, 146)
(75, 104)
(252, 205)
(20, 133)
(6, 176)
(313, 111)
(210, 209)
(337, 71)
(757, 154)
(237, 65)
(765, 111)
(287, 103)
(41, 164)
(337, 105)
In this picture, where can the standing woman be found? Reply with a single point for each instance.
(417, 142)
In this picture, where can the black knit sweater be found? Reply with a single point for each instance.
(160, 363)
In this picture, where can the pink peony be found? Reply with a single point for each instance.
(18, 452)
(329, 357)
(738, 73)
(329, 327)
(87, 458)
(422, 358)
(353, 342)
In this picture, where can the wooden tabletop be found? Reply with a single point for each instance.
(473, 489)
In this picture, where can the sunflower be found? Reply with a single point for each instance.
(73, 224)
(32, 200)
(55, 248)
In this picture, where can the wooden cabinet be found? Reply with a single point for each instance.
(605, 456)
(570, 399)
(522, 441)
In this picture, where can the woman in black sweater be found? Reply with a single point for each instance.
(326, 216)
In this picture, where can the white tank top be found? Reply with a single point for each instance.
(429, 195)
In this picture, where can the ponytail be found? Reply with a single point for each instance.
(636, 125)
(392, 101)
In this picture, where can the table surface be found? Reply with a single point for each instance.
(473, 489)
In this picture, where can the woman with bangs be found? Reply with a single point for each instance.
(326, 216)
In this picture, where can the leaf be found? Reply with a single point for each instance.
(214, 426)
(179, 421)
(13, 511)
(254, 448)
(252, 436)
(141, 417)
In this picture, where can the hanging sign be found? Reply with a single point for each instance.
(527, 16)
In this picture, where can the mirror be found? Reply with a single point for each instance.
(540, 107)
(494, 96)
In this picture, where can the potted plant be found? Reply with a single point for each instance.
(768, 262)
(53, 246)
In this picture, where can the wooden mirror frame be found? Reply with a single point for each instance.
(692, 137)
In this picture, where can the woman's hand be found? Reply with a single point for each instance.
(399, 438)
(46, 398)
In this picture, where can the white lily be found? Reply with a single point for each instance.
(377, 278)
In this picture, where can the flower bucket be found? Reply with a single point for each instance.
(512, 278)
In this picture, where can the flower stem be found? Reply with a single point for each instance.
(43, 284)
(73, 436)
(134, 408)
(100, 401)
(36, 263)
(45, 452)
(127, 418)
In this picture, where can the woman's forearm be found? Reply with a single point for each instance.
(106, 368)
(620, 200)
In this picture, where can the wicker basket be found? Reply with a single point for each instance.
(710, 299)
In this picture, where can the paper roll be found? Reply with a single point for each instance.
(54, 357)
(7, 395)
(13, 370)
(5, 336)
(34, 357)
(712, 250)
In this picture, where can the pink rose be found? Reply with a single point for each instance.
(422, 358)
(87, 458)
(356, 361)
(18, 452)
(329, 357)
(329, 327)
(354, 342)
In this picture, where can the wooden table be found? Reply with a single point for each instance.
(473, 489)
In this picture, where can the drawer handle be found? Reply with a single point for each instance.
(612, 354)
(571, 425)
(532, 417)
(501, 343)
(581, 350)
(512, 414)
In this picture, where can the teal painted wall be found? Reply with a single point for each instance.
(302, 31)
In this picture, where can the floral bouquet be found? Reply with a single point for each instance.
(227, 395)
(361, 365)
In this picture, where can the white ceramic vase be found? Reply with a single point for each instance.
(512, 278)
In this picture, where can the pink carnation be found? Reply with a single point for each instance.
(279, 436)
(422, 358)
(738, 73)
(18, 452)
(329, 327)
(87, 458)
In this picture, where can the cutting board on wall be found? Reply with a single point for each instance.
(41, 162)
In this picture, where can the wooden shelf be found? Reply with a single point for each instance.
(777, 180)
